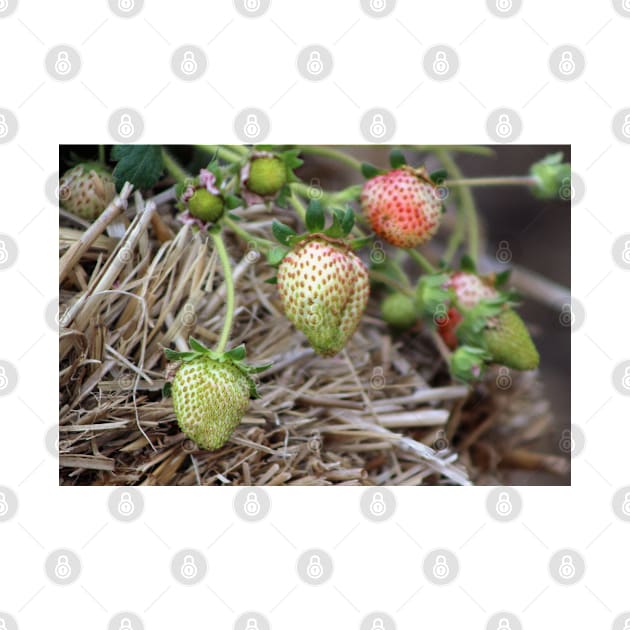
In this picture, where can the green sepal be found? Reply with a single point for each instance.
(315, 219)
(397, 158)
(470, 329)
(467, 264)
(369, 170)
(437, 177)
(273, 280)
(501, 279)
(276, 254)
(166, 389)
(234, 217)
(232, 201)
(283, 233)
(357, 243)
(431, 294)
(282, 199)
(291, 161)
(468, 363)
(343, 222)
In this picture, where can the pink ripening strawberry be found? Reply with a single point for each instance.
(402, 206)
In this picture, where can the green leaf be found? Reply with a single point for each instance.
(437, 177)
(467, 264)
(138, 164)
(397, 159)
(276, 254)
(232, 201)
(315, 219)
(369, 170)
(347, 222)
(237, 354)
(282, 232)
(166, 389)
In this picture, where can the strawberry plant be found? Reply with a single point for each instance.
(398, 248)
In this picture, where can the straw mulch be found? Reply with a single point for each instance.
(384, 411)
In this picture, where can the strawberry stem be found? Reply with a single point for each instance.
(262, 243)
(421, 260)
(233, 154)
(171, 165)
(334, 154)
(229, 290)
(467, 204)
(523, 180)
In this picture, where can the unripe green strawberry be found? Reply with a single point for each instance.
(86, 190)
(206, 206)
(211, 392)
(509, 342)
(210, 399)
(402, 206)
(324, 289)
(399, 310)
(267, 175)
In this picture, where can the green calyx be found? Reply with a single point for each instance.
(235, 357)
(206, 206)
(431, 294)
(553, 178)
(468, 363)
(315, 219)
(399, 311)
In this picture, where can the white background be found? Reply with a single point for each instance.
(377, 63)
